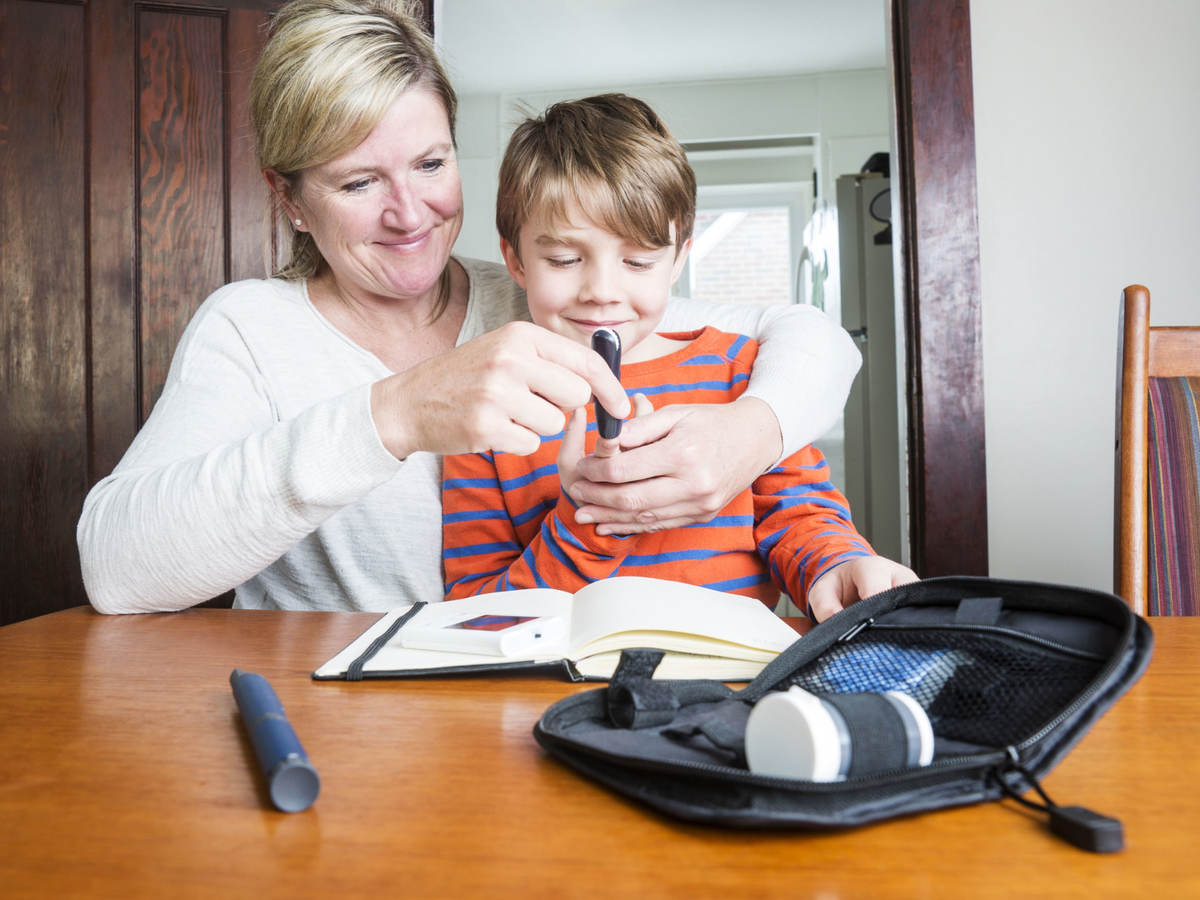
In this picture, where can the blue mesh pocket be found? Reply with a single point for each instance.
(916, 671)
(986, 689)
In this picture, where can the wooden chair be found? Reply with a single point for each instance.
(1157, 527)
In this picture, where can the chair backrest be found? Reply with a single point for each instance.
(1157, 527)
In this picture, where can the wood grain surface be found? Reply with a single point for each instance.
(125, 772)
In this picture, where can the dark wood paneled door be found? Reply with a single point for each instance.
(129, 193)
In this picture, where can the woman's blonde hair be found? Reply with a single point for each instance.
(327, 75)
(610, 155)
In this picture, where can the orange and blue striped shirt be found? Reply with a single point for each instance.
(507, 523)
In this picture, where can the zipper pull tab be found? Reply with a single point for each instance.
(1077, 825)
(1086, 829)
(854, 631)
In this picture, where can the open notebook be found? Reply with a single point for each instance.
(705, 633)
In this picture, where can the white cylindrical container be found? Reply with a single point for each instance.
(795, 734)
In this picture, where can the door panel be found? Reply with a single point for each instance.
(181, 231)
(129, 194)
(43, 320)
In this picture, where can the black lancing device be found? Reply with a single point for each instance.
(607, 343)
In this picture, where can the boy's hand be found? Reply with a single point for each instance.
(606, 447)
(570, 452)
(852, 580)
(574, 437)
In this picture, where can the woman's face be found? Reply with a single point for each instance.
(385, 214)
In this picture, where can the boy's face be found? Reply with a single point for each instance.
(579, 277)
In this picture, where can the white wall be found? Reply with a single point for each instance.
(849, 110)
(1087, 128)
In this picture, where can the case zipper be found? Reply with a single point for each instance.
(854, 632)
(986, 758)
(1077, 825)
(998, 631)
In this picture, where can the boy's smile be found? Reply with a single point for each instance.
(579, 277)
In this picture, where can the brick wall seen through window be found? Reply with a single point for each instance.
(749, 264)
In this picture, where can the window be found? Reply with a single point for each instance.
(742, 255)
(753, 200)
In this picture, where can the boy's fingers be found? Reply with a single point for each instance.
(571, 448)
(875, 574)
(641, 406)
(606, 447)
(609, 447)
(824, 597)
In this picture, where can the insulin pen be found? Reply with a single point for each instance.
(607, 343)
(291, 780)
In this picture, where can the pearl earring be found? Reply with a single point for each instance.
(299, 223)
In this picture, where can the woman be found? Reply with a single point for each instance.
(294, 452)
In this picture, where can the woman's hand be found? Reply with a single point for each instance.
(852, 580)
(501, 391)
(677, 466)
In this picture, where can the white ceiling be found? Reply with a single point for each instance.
(501, 46)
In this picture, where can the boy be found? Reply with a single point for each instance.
(595, 212)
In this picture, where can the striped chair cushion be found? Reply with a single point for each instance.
(1174, 526)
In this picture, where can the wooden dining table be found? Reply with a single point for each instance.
(125, 771)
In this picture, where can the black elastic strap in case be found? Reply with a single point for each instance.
(635, 699)
(872, 723)
(355, 669)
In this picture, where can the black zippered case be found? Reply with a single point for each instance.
(1012, 674)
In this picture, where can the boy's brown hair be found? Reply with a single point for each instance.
(612, 156)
